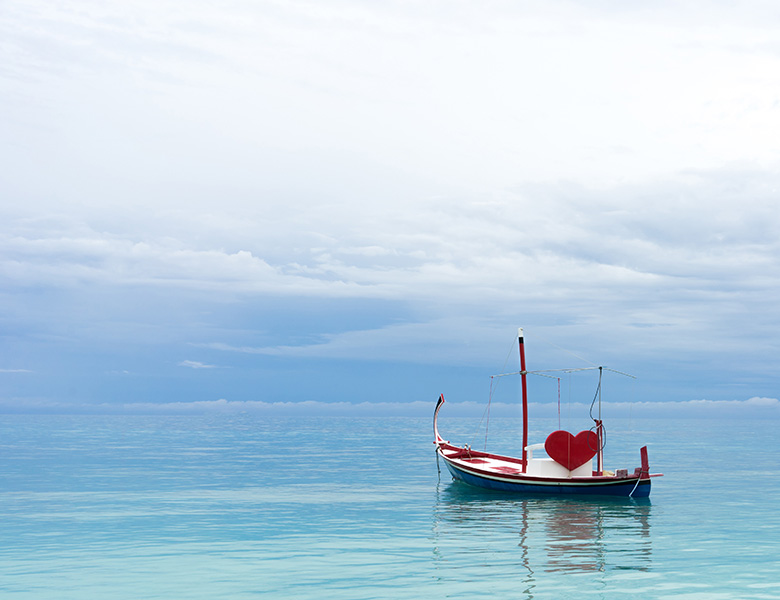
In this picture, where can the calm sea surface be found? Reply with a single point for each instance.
(243, 506)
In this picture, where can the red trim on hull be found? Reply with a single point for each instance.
(521, 478)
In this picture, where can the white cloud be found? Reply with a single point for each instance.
(193, 364)
(679, 259)
(471, 340)
(478, 96)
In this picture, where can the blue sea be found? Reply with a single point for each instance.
(247, 506)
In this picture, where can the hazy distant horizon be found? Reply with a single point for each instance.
(754, 408)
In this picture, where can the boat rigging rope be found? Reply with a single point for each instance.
(603, 437)
(486, 414)
(597, 396)
(631, 494)
(487, 420)
(583, 359)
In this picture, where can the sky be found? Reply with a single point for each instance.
(324, 207)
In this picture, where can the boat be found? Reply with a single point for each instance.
(567, 469)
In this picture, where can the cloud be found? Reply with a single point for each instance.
(550, 240)
(417, 342)
(567, 259)
(429, 93)
(607, 178)
(192, 364)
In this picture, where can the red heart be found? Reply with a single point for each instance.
(571, 451)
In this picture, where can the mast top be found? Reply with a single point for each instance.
(520, 332)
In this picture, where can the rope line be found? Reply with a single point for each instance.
(486, 412)
(567, 351)
(635, 486)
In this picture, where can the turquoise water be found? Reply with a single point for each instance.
(241, 506)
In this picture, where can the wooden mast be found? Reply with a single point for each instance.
(525, 397)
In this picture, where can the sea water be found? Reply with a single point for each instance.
(246, 506)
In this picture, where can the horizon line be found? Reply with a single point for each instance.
(752, 407)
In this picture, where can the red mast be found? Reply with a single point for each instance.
(525, 397)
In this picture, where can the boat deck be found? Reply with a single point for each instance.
(492, 464)
(497, 465)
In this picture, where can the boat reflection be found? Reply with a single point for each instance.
(544, 534)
